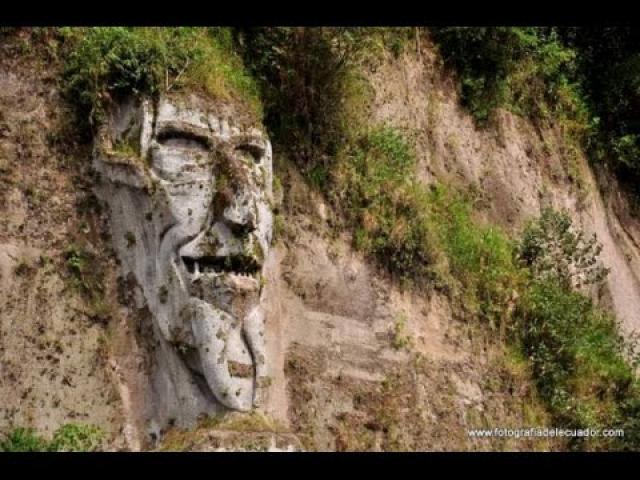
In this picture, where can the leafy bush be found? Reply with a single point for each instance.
(526, 69)
(68, 438)
(579, 359)
(586, 78)
(23, 440)
(480, 257)
(303, 73)
(419, 234)
(373, 184)
(579, 363)
(609, 60)
(104, 63)
(83, 268)
(76, 438)
(551, 248)
(86, 275)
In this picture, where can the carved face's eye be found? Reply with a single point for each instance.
(252, 153)
(183, 140)
(180, 155)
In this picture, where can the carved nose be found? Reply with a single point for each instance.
(241, 214)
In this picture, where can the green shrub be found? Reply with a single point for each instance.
(80, 264)
(421, 235)
(585, 78)
(373, 183)
(68, 438)
(104, 63)
(23, 440)
(480, 257)
(302, 73)
(527, 69)
(626, 149)
(86, 275)
(551, 248)
(314, 97)
(579, 363)
(76, 438)
(609, 60)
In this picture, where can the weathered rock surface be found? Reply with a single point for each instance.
(191, 223)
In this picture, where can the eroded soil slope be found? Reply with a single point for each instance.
(515, 167)
(54, 362)
(361, 364)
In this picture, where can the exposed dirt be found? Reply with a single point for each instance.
(515, 167)
(54, 360)
(368, 366)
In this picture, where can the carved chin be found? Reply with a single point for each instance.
(224, 355)
(234, 294)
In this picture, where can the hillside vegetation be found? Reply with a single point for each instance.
(430, 236)
(585, 79)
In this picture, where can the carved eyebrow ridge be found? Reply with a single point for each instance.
(254, 149)
(175, 133)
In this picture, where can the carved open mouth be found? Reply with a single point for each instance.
(237, 264)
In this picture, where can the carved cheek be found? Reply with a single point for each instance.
(165, 164)
(187, 202)
(265, 223)
(198, 208)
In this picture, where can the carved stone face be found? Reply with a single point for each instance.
(191, 219)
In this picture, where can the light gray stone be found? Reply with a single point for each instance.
(189, 196)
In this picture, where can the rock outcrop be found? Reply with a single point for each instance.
(189, 197)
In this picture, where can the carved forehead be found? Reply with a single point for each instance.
(196, 114)
(143, 123)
